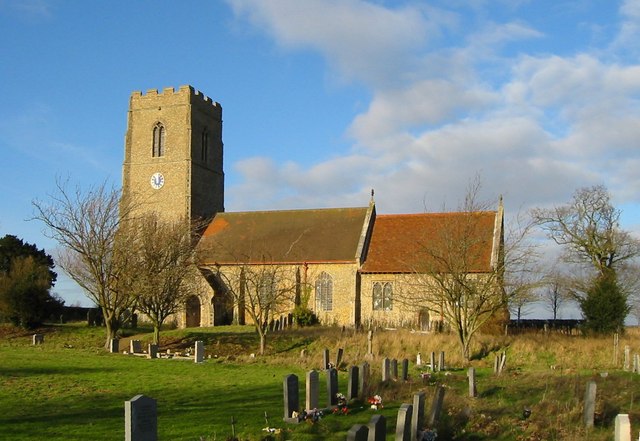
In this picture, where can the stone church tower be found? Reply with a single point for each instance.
(173, 153)
(173, 165)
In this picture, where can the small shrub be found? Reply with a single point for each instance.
(304, 316)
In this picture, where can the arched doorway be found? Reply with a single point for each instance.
(193, 312)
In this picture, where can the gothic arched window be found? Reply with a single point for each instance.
(324, 292)
(382, 296)
(158, 140)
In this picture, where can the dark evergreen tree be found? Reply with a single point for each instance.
(604, 306)
(26, 278)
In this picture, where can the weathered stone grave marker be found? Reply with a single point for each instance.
(153, 351)
(433, 362)
(418, 359)
(135, 347)
(114, 345)
(363, 379)
(473, 392)
(436, 407)
(405, 370)
(622, 428)
(589, 404)
(37, 339)
(141, 419)
(394, 369)
(339, 357)
(358, 432)
(312, 390)
(441, 365)
(417, 418)
(403, 423)
(627, 358)
(325, 359)
(332, 387)
(386, 369)
(370, 344)
(352, 384)
(199, 352)
(291, 399)
(377, 428)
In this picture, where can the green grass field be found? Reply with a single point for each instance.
(70, 388)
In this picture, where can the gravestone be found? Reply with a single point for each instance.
(386, 365)
(303, 353)
(394, 369)
(589, 404)
(636, 363)
(436, 407)
(37, 339)
(325, 359)
(339, 358)
(352, 384)
(199, 352)
(313, 390)
(441, 365)
(496, 365)
(363, 379)
(141, 419)
(135, 347)
(503, 362)
(291, 399)
(405, 370)
(473, 392)
(403, 423)
(114, 345)
(417, 418)
(418, 359)
(622, 428)
(433, 362)
(332, 387)
(377, 428)
(627, 358)
(153, 351)
(358, 432)
(370, 344)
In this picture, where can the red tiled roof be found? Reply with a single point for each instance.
(403, 243)
(288, 236)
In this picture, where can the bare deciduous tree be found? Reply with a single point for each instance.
(264, 291)
(162, 270)
(85, 224)
(449, 282)
(555, 293)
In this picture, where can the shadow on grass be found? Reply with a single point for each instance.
(51, 370)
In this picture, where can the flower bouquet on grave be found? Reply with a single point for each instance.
(342, 407)
(376, 402)
(312, 416)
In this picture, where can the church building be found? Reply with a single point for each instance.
(350, 266)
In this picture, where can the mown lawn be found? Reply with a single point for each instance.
(70, 388)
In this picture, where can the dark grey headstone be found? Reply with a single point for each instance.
(436, 407)
(38, 339)
(394, 369)
(386, 369)
(433, 362)
(441, 364)
(153, 351)
(358, 432)
(135, 347)
(291, 399)
(363, 379)
(339, 357)
(352, 383)
(141, 419)
(377, 428)
(199, 352)
(325, 359)
(332, 387)
(403, 424)
(312, 390)
(417, 418)
(405, 370)
(114, 345)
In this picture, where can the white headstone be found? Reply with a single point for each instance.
(623, 428)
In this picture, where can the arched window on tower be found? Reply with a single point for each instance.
(158, 140)
(204, 154)
(324, 292)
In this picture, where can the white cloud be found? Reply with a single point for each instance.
(535, 126)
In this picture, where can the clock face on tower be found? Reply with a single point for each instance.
(157, 180)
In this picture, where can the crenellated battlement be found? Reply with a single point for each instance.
(170, 92)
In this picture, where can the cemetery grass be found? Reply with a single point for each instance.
(70, 388)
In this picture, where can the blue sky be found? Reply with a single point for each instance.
(324, 100)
